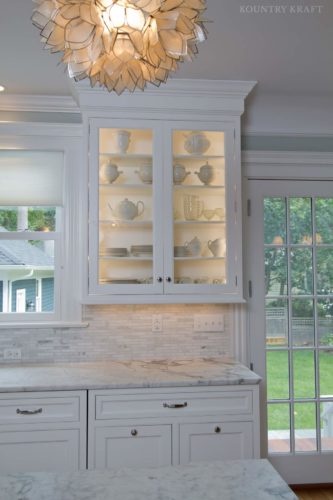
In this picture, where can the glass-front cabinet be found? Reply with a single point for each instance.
(163, 219)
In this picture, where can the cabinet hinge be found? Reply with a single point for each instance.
(235, 206)
(251, 367)
(249, 208)
(250, 288)
(236, 280)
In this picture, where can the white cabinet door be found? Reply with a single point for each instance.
(137, 446)
(125, 225)
(202, 219)
(40, 450)
(215, 441)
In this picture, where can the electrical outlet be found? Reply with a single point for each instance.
(12, 353)
(208, 323)
(157, 323)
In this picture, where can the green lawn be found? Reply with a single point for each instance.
(303, 386)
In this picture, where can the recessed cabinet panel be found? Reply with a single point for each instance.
(36, 451)
(135, 446)
(215, 441)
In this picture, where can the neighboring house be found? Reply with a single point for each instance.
(26, 276)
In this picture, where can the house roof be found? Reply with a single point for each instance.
(22, 253)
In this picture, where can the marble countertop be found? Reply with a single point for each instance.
(227, 480)
(124, 374)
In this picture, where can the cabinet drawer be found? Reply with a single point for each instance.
(175, 404)
(29, 410)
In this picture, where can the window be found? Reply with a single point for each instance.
(36, 249)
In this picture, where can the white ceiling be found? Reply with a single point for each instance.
(286, 53)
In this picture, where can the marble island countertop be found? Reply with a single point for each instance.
(227, 480)
(124, 374)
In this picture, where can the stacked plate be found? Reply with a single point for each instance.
(116, 251)
(141, 250)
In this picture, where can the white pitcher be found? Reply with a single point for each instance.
(217, 247)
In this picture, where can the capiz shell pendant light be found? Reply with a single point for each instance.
(121, 44)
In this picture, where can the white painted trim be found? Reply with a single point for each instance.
(239, 330)
(175, 100)
(176, 87)
(253, 132)
(38, 103)
(287, 165)
(44, 324)
(69, 273)
(40, 129)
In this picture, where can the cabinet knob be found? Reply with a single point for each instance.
(169, 279)
(160, 279)
(134, 432)
(217, 430)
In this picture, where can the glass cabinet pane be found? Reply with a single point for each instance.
(125, 206)
(199, 207)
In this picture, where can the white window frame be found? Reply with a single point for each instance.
(65, 138)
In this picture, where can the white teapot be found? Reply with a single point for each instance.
(206, 173)
(127, 210)
(110, 172)
(196, 143)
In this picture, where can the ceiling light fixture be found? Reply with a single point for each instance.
(121, 44)
(2, 88)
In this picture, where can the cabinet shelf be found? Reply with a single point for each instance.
(125, 156)
(127, 257)
(197, 157)
(127, 223)
(124, 186)
(196, 186)
(199, 222)
(199, 257)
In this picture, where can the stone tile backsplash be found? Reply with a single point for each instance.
(124, 332)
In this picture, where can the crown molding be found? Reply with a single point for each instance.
(185, 86)
(287, 157)
(287, 165)
(221, 96)
(250, 132)
(41, 129)
(38, 103)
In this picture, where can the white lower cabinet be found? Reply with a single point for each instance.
(48, 431)
(152, 427)
(43, 431)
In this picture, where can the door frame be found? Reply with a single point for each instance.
(273, 165)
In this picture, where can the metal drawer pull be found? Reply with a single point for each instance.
(175, 405)
(217, 430)
(134, 432)
(28, 412)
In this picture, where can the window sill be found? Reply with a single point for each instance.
(45, 324)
